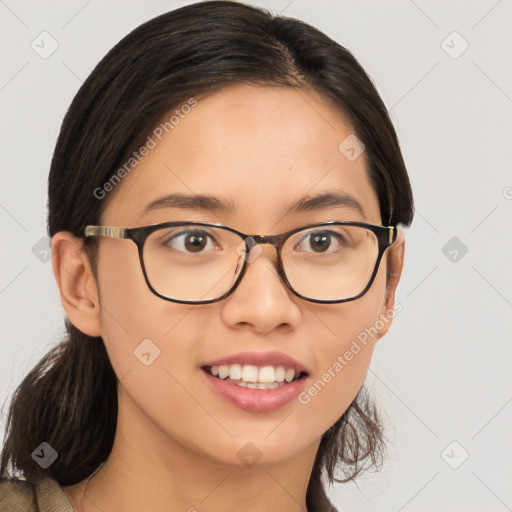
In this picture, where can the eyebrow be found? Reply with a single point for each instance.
(324, 201)
(212, 204)
(194, 202)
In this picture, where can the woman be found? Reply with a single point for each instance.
(225, 202)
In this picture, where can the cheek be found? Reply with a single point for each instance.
(343, 357)
(148, 341)
(138, 327)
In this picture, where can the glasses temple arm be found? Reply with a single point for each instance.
(109, 231)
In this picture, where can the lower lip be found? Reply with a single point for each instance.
(257, 400)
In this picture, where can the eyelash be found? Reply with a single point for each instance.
(342, 240)
(174, 236)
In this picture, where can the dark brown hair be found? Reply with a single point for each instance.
(70, 398)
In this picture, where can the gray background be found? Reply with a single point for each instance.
(442, 374)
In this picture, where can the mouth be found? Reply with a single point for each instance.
(255, 377)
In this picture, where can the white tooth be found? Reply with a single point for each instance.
(250, 373)
(235, 372)
(266, 374)
(280, 373)
(290, 373)
(252, 385)
(268, 385)
(223, 371)
(241, 383)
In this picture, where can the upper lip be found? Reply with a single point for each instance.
(269, 358)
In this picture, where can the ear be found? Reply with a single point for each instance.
(394, 266)
(76, 282)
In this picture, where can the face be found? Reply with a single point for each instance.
(259, 149)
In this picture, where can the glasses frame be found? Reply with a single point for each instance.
(386, 237)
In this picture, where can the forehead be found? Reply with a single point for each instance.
(257, 148)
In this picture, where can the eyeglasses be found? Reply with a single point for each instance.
(201, 263)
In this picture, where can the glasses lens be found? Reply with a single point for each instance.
(200, 263)
(193, 263)
(330, 262)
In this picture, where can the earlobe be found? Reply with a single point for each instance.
(76, 283)
(395, 262)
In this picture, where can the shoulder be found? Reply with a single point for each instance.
(17, 496)
(44, 496)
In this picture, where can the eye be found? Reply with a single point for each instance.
(194, 241)
(321, 241)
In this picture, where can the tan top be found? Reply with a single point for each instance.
(45, 496)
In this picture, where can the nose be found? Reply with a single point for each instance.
(261, 302)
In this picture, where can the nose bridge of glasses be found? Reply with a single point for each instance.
(254, 247)
(251, 241)
(260, 240)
